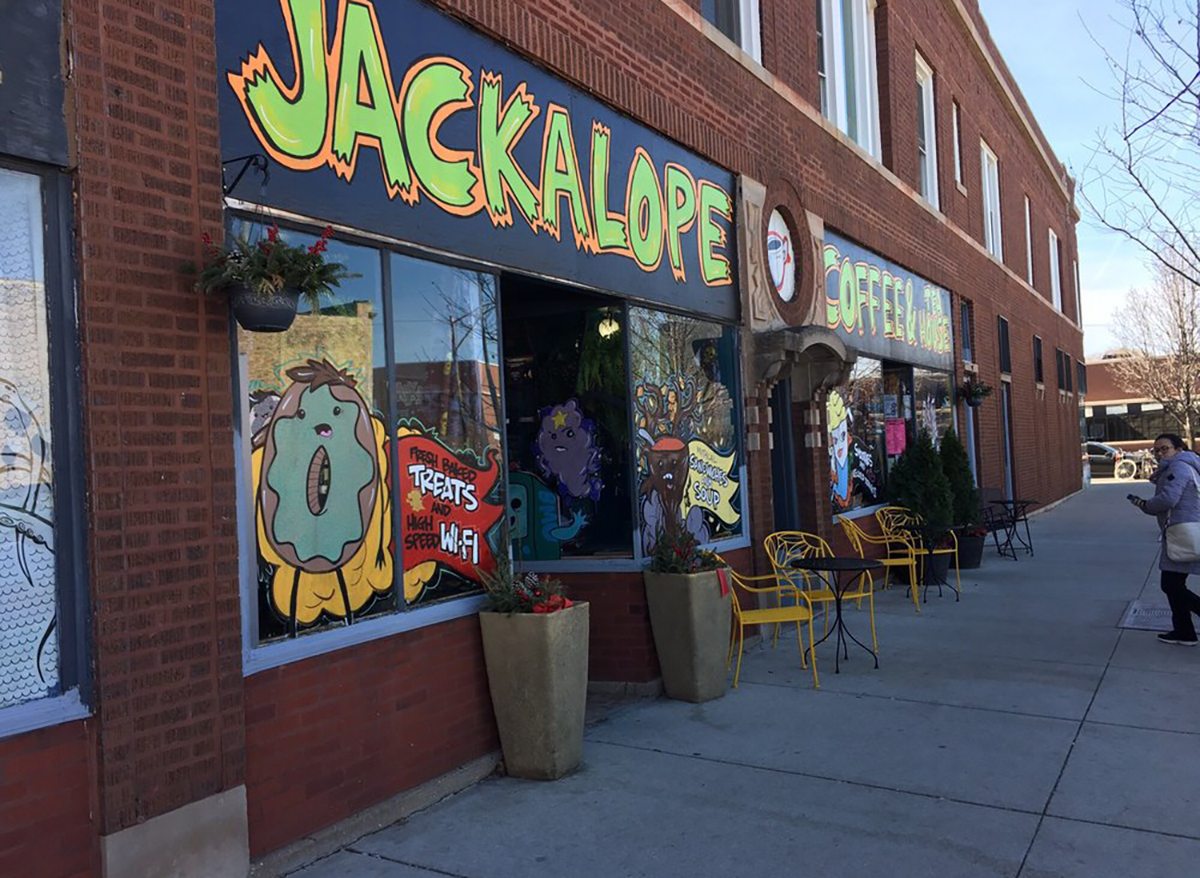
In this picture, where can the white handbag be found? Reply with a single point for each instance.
(1182, 541)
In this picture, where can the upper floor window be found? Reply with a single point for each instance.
(926, 133)
(1078, 307)
(1062, 364)
(958, 175)
(1055, 270)
(1028, 243)
(1038, 374)
(990, 185)
(846, 42)
(738, 20)
(822, 68)
(1002, 344)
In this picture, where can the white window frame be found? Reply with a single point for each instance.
(927, 124)
(993, 235)
(749, 28)
(864, 75)
(1028, 242)
(1055, 271)
(958, 174)
(1078, 304)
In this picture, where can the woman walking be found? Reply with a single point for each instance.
(1176, 500)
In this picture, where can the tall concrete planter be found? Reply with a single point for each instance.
(537, 667)
(690, 618)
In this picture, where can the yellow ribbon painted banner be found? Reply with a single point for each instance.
(711, 484)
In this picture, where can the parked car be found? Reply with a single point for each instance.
(1106, 462)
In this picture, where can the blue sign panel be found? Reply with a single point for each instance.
(885, 310)
(394, 118)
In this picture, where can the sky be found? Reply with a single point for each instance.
(1059, 68)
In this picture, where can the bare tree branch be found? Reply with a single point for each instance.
(1143, 178)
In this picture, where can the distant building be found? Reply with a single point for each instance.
(1118, 414)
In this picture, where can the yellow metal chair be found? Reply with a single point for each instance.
(893, 521)
(784, 547)
(898, 552)
(791, 606)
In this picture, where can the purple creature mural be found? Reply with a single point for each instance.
(567, 453)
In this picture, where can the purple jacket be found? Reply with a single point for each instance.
(1176, 500)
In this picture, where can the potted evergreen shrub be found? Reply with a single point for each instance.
(690, 615)
(266, 280)
(535, 646)
(968, 524)
(918, 482)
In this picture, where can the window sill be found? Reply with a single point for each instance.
(861, 512)
(32, 715)
(284, 652)
(960, 187)
(620, 565)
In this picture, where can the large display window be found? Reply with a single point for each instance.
(568, 423)
(374, 442)
(684, 373)
(402, 434)
(871, 420)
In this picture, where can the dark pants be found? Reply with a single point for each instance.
(1183, 603)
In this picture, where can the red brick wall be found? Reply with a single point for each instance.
(158, 409)
(337, 733)
(46, 784)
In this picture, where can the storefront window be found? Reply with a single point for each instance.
(861, 421)
(29, 653)
(935, 404)
(871, 420)
(568, 423)
(688, 460)
(447, 407)
(316, 415)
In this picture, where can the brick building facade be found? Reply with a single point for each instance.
(180, 725)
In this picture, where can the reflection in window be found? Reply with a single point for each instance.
(858, 417)
(447, 407)
(568, 423)
(29, 656)
(687, 434)
(319, 459)
(935, 409)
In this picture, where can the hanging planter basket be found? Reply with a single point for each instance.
(257, 313)
(975, 401)
(287, 272)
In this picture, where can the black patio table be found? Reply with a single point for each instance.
(927, 538)
(838, 583)
(1016, 512)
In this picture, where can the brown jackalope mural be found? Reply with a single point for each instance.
(667, 419)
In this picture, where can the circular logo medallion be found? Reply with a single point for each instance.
(780, 257)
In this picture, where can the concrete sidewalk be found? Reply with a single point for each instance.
(1015, 733)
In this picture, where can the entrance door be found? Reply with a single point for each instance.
(783, 459)
(1010, 463)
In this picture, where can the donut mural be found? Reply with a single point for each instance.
(323, 511)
